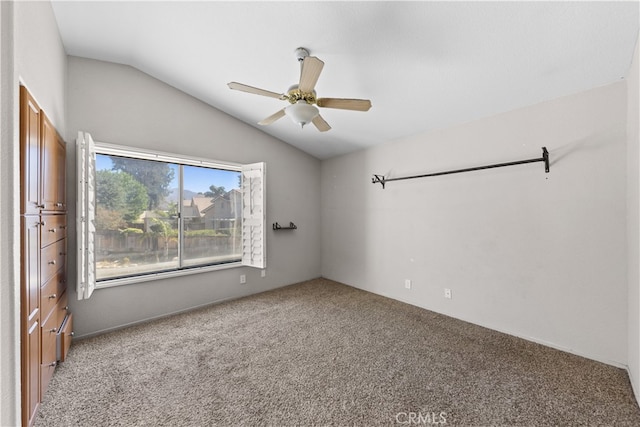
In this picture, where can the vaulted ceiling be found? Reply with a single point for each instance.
(423, 65)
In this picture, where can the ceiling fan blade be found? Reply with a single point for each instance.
(344, 104)
(272, 118)
(311, 69)
(254, 90)
(320, 123)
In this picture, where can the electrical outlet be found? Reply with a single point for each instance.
(263, 273)
(407, 283)
(447, 293)
(243, 279)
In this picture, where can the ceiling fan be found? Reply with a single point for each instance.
(302, 96)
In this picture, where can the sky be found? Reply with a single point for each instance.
(196, 179)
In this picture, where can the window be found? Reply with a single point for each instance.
(143, 214)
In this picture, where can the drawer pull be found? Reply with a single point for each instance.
(52, 230)
(72, 333)
(52, 330)
(66, 308)
(59, 205)
(52, 364)
(62, 253)
(63, 227)
(52, 262)
(52, 296)
(40, 206)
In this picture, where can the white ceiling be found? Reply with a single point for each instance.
(424, 65)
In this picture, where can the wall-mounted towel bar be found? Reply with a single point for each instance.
(380, 179)
(291, 226)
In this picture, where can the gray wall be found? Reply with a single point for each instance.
(540, 256)
(32, 54)
(633, 220)
(121, 105)
(9, 322)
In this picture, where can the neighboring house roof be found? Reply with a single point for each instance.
(202, 203)
(213, 204)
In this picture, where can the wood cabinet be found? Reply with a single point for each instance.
(45, 321)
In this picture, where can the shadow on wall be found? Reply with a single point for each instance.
(588, 143)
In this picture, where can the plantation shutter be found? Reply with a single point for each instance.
(86, 168)
(253, 215)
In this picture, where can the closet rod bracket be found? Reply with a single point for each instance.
(291, 226)
(378, 179)
(545, 159)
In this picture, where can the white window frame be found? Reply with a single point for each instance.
(253, 213)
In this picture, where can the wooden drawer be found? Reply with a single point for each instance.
(52, 259)
(50, 294)
(48, 359)
(52, 229)
(65, 335)
(62, 309)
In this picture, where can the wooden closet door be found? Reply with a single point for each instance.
(52, 169)
(61, 181)
(31, 393)
(29, 153)
(30, 316)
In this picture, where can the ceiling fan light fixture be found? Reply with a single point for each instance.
(302, 96)
(301, 112)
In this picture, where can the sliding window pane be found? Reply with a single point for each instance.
(211, 213)
(136, 216)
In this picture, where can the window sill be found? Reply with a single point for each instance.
(110, 283)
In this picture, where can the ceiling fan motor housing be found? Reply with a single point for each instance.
(294, 95)
(301, 53)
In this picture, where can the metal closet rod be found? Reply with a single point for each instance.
(380, 179)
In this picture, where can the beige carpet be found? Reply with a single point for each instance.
(322, 353)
